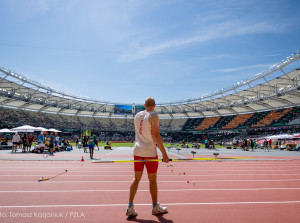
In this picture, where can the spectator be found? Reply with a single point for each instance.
(25, 142)
(15, 142)
(56, 142)
(77, 141)
(234, 143)
(270, 144)
(30, 140)
(84, 143)
(206, 143)
(41, 138)
(251, 144)
(91, 142)
(51, 144)
(211, 144)
(266, 147)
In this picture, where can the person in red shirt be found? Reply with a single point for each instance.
(270, 144)
(30, 140)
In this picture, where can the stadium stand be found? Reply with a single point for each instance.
(13, 117)
(192, 123)
(177, 124)
(237, 120)
(272, 116)
(287, 118)
(208, 122)
(268, 101)
(223, 121)
(255, 118)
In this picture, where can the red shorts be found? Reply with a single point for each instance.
(151, 166)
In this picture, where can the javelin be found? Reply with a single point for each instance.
(44, 179)
(170, 160)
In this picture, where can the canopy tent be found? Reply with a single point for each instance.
(296, 135)
(6, 131)
(24, 128)
(53, 130)
(282, 136)
(42, 129)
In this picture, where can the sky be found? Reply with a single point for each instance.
(124, 51)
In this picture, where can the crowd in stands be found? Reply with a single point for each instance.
(272, 118)
(192, 129)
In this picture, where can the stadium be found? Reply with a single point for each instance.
(243, 185)
(264, 104)
(82, 140)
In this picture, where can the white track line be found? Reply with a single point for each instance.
(117, 166)
(170, 175)
(165, 190)
(160, 181)
(159, 171)
(168, 204)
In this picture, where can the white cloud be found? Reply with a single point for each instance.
(228, 70)
(204, 34)
(274, 55)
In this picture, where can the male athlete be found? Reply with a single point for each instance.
(146, 124)
(91, 143)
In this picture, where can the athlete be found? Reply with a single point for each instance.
(146, 124)
(91, 143)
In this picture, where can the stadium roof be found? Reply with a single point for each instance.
(274, 88)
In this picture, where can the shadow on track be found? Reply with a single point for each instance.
(160, 219)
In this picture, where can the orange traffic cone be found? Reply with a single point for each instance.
(82, 159)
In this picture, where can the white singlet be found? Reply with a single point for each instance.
(145, 145)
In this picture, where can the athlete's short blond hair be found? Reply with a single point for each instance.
(149, 102)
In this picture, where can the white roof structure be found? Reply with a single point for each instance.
(274, 88)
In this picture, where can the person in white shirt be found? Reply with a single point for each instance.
(147, 136)
(15, 142)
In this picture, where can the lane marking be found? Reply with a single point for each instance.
(165, 190)
(159, 171)
(118, 166)
(125, 181)
(169, 175)
(170, 204)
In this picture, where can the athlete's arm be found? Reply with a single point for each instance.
(154, 122)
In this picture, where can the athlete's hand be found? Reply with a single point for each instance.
(165, 158)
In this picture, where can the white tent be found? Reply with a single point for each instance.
(53, 130)
(24, 128)
(282, 136)
(42, 129)
(6, 131)
(296, 135)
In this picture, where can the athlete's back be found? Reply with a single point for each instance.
(145, 145)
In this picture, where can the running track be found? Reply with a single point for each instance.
(230, 191)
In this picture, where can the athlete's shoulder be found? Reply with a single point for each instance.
(141, 114)
(153, 116)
